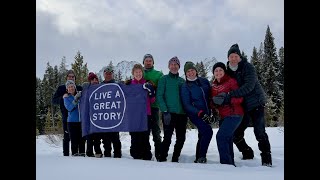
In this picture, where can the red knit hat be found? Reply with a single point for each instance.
(92, 76)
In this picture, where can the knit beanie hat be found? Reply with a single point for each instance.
(219, 64)
(174, 59)
(92, 76)
(108, 69)
(147, 56)
(189, 65)
(69, 83)
(234, 49)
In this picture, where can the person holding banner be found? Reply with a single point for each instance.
(153, 76)
(108, 137)
(58, 99)
(92, 79)
(74, 124)
(140, 145)
(174, 117)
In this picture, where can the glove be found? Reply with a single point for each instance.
(205, 117)
(166, 118)
(148, 86)
(76, 98)
(222, 99)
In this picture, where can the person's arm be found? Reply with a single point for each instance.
(160, 96)
(57, 97)
(186, 101)
(68, 102)
(249, 81)
(234, 86)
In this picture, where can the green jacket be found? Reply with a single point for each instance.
(153, 76)
(168, 93)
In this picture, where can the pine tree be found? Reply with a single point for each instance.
(272, 71)
(40, 107)
(244, 55)
(118, 76)
(81, 70)
(48, 123)
(201, 69)
(281, 68)
(62, 71)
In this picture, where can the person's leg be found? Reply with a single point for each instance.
(135, 146)
(106, 140)
(146, 147)
(181, 127)
(198, 148)
(206, 133)
(66, 139)
(156, 131)
(224, 138)
(168, 131)
(115, 139)
(257, 116)
(96, 144)
(73, 138)
(89, 140)
(239, 141)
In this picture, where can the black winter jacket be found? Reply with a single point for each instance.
(249, 87)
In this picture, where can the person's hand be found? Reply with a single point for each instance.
(148, 86)
(222, 99)
(166, 118)
(205, 117)
(77, 96)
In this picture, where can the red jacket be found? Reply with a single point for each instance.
(226, 85)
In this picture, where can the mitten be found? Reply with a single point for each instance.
(166, 118)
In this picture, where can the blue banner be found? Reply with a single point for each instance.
(113, 107)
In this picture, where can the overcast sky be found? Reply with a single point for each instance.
(104, 30)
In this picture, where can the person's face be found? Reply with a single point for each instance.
(218, 73)
(71, 77)
(174, 68)
(71, 89)
(148, 63)
(234, 59)
(137, 74)
(108, 76)
(191, 74)
(94, 81)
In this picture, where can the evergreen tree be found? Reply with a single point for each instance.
(256, 62)
(118, 76)
(272, 71)
(81, 70)
(201, 69)
(40, 107)
(48, 123)
(244, 55)
(62, 71)
(281, 68)
(261, 68)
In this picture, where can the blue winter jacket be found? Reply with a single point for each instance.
(73, 110)
(195, 96)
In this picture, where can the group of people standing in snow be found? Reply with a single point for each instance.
(233, 99)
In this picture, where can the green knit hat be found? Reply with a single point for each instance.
(189, 65)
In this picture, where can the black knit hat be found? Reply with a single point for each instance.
(147, 56)
(189, 65)
(234, 49)
(219, 64)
